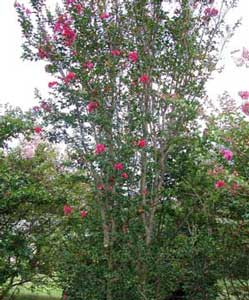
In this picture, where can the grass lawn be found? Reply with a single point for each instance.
(34, 297)
(25, 293)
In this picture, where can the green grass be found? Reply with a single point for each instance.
(28, 293)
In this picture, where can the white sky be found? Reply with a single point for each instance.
(18, 79)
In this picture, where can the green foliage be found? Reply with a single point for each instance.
(33, 190)
(13, 122)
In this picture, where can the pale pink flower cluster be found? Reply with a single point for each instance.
(243, 60)
(29, 148)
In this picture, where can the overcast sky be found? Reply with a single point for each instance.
(18, 79)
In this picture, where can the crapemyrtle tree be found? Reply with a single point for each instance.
(127, 80)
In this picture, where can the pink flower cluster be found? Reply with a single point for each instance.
(104, 16)
(37, 129)
(52, 84)
(133, 56)
(83, 213)
(45, 106)
(118, 166)
(70, 2)
(88, 65)
(100, 148)
(211, 12)
(244, 95)
(144, 78)
(115, 52)
(69, 77)
(141, 143)
(245, 108)
(227, 154)
(91, 106)
(79, 8)
(68, 210)
(42, 53)
(62, 26)
(125, 175)
(219, 184)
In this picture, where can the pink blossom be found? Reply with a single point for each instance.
(245, 53)
(244, 95)
(124, 175)
(45, 106)
(17, 4)
(118, 166)
(42, 53)
(62, 26)
(79, 8)
(104, 15)
(211, 12)
(69, 77)
(28, 151)
(58, 26)
(83, 213)
(52, 84)
(29, 148)
(88, 65)
(219, 184)
(115, 52)
(227, 154)
(100, 187)
(245, 108)
(36, 108)
(142, 143)
(68, 2)
(67, 210)
(100, 148)
(38, 130)
(133, 56)
(28, 11)
(69, 35)
(91, 106)
(144, 78)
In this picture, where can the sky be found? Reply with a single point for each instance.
(18, 78)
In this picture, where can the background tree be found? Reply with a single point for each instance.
(229, 133)
(34, 189)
